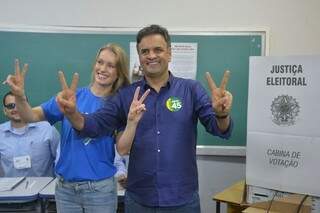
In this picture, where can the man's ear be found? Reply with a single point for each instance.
(170, 54)
(5, 111)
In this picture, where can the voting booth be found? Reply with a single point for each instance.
(283, 137)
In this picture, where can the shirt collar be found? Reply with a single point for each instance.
(145, 85)
(7, 126)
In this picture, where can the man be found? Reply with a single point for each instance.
(159, 129)
(26, 149)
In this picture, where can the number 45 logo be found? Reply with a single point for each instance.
(173, 104)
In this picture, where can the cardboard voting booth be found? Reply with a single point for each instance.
(259, 198)
(287, 204)
(283, 205)
(283, 135)
(240, 197)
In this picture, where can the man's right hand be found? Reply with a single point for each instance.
(137, 107)
(66, 99)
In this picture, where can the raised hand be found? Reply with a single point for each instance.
(137, 107)
(16, 81)
(220, 97)
(66, 99)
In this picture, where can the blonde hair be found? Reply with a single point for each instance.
(122, 66)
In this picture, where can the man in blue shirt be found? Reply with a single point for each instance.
(26, 149)
(159, 129)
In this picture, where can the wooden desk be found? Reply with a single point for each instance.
(233, 196)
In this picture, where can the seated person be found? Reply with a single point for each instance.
(26, 149)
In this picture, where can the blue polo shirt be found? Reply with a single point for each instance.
(163, 168)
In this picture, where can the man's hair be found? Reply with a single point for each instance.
(5, 96)
(152, 30)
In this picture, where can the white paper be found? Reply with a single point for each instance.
(9, 183)
(22, 162)
(261, 96)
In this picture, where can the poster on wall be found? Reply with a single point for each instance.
(283, 134)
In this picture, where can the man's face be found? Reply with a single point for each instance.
(154, 55)
(10, 109)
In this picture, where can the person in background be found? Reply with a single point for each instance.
(159, 127)
(85, 169)
(26, 149)
(121, 164)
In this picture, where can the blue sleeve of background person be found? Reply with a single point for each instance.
(51, 111)
(105, 120)
(205, 113)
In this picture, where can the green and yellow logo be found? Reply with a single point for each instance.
(173, 104)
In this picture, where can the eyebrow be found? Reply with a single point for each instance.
(153, 48)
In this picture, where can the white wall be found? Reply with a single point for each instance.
(294, 29)
(294, 24)
(215, 174)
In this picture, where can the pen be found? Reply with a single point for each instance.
(27, 183)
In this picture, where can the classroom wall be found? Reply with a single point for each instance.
(294, 24)
(294, 29)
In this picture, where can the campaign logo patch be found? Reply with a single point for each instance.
(173, 104)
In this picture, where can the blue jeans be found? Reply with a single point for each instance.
(193, 206)
(86, 196)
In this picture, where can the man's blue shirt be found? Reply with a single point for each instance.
(162, 169)
(38, 140)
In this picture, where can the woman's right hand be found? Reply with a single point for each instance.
(66, 99)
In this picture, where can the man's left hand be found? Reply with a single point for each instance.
(220, 97)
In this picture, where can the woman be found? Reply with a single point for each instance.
(85, 167)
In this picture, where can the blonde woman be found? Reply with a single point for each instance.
(85, 168)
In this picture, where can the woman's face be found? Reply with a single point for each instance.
(105, 69)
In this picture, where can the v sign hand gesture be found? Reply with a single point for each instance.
(137, 107)
(220, 97)
(66, 99)
(16, 81)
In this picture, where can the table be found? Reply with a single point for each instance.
(24, 197)
(233, 196)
